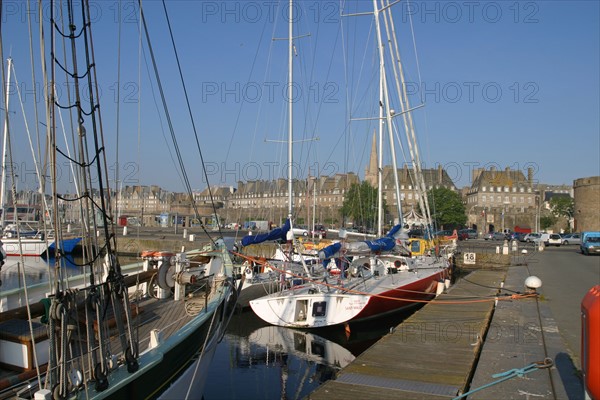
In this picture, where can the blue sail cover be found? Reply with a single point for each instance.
(275, 234)
(328, 252)
(385, 243)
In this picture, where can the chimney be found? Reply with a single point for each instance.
(440, 173)
(530, 176)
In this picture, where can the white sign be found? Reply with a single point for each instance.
(469, 258)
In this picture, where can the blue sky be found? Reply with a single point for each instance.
(504, 83)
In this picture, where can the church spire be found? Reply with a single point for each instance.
(371, 170)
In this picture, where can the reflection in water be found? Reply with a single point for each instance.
(34, 270)
(256, 360)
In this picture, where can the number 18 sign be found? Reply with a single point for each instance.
(469, 258)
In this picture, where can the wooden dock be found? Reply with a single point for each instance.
(431, 355)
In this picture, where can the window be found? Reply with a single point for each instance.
(319, 309)
(483, 198)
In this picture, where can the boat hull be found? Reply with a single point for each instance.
(29, 247)
(168, 370)
(375, 297)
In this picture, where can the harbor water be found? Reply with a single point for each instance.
(253, 360)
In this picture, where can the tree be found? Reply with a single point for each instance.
(447, 209)
(360, 204)
(562, 206)
(547, 221)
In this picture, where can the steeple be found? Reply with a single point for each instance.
(371, 170)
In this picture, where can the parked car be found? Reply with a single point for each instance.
(494, 236)
(300, 231)
(320, 230)
(520, 236)
(571, 238)
(590, 243)
(441, 234)
(543, 238)
(462, 235)
(470, 233)
(554, 240)
(531, 237)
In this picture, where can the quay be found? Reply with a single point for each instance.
(456, 343)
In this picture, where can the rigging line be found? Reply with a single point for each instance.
(237, 118)
(14, 198)
(75, 172)
(37, 122)
(96, 125)
(35, 99)
(158, 113)
(36, 165)
(71, 74)
(71, 35)
(118, 110)
(168, 116)
(187, 101)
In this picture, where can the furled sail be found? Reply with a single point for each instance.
(275, 234)
(383, 244)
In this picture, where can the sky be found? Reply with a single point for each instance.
(497, 83)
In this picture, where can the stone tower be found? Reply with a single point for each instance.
(371, 170)
(586, 193)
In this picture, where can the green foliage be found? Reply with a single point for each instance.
(447, 209)
(360, 205)
(562, 206)
(547, 221)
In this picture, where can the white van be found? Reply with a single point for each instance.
(543, 238)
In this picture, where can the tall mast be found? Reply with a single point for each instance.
(4, 144)
(386, 108)
(290, 109)
(380, 157)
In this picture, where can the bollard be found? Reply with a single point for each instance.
(125, 231)
(185, 233)
(505, 248)
(514, 246)
(497, 249)
(192, 237)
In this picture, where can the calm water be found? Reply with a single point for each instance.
(255, 360)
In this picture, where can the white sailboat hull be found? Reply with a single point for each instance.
(31, 247)
(360, 298)
(306, 310)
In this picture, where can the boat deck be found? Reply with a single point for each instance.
(148, 314)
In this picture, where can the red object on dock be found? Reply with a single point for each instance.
(590, 341)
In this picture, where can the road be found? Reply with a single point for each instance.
(566, 277)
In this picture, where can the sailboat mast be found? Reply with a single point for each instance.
(4, 144)
(290, 109)
(386, 109)
(380, 158)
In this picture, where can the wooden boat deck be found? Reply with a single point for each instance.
(429, 356)
(166, 315)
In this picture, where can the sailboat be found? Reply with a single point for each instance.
(19, 237)
(287, 268)
(148, 331)
(377, 277)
